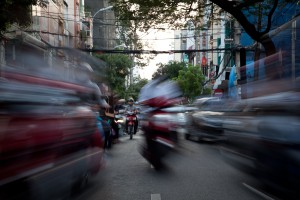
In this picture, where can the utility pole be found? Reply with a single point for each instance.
(210, 68)
(243, 73)
(237, 35)
(294, 37)
(2, 55)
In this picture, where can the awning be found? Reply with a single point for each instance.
(31, 40)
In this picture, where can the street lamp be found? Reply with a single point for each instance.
(102, 9)
(121, 45)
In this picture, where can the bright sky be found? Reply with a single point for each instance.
(158, 40)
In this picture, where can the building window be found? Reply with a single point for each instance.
(88, 33)
(219, 41)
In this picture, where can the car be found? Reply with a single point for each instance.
(263, 140)
(206, 123)
(180, 116)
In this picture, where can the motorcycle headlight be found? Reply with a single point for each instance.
(120, 121)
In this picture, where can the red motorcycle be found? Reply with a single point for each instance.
(159, 122)
(131, 121)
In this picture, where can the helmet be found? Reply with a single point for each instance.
(83, 72)
(130, 100)
(160, 92)
(86, 67)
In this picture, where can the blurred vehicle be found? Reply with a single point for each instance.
(158, 122)
(205, 123)
(49, 141)
(179, 115)
(263, 140)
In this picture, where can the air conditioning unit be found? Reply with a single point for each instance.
(44, 1)
(77, 28)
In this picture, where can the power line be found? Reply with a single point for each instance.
(113, 51)
(99, 38)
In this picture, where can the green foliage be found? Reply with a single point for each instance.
(190, 81)
(206, 91)
(118, 67)
(134, 90)
(16, 11)
(171, 70)
(127, 31)
(149, 14)
(153, 14)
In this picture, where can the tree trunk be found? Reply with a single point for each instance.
(257, 49)
(272, 62)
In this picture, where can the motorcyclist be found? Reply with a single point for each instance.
(84, 75)
(160, 138)
(131, 108)
(119, 106)
(95, 99)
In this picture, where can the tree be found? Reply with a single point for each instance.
(151, 14)
(134, 89)
(127, 30)
(171, 70)
(191, 80)
(118, 67)
(16, 11)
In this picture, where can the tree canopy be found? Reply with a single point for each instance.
(118, 67)
(171, 69)
(153, 14)
(190, 80)
(134, 89)
(16, 11)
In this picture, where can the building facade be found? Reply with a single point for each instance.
(104, 29)
(54, 29)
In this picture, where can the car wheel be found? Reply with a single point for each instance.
(187, 136)
(81, 183)
(200, 139)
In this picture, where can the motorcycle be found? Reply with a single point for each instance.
(131, 120)
(119, 121)
(160, 137)
(159, 123)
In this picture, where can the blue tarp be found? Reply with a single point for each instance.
(232, 90)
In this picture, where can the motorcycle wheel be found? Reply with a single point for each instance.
(130, 130)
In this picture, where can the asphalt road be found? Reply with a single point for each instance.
(197, 172)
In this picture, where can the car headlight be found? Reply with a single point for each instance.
(164, 119)
(181, 119)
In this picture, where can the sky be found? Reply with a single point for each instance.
(158, 40)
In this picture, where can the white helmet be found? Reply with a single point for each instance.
(86, 67)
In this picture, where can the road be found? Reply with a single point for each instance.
(197, 171)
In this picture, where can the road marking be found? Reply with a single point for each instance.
(155, 197)
(258, 192)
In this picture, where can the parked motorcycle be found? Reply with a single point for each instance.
(158, 123)
(120, 122)
(131, 120)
